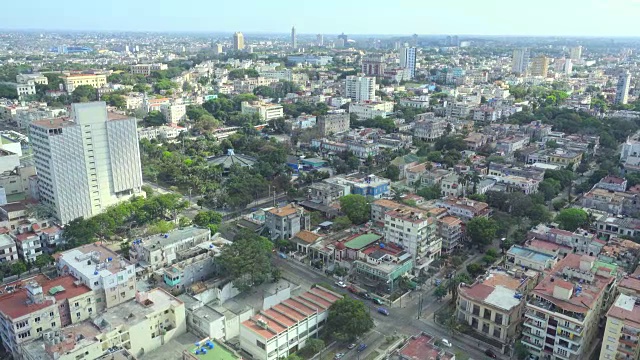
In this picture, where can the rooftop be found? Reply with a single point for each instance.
(286, 210)
(531, 254)
(307, 236)
(90, 258)
(362, 241)
(16, 305)
(145, 304)
(421, 347)
(6, 241)
(627, 309)
(173, 237)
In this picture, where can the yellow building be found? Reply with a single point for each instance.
(139, 326)
(623, 329)
(75, 80)
(540, 66)
(28, 313)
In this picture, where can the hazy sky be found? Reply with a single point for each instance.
(483, 17)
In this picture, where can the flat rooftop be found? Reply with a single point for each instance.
(626, 309)
(6, 241)
(89, 258)
(132, 311)
(219, 352)
(362, 241)
(173, 237)
(529, 254)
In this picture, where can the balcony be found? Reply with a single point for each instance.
(626, 350)
(629, 342)
(530, 342)
(530, 333)
(576, 330)
(575, 339)
(536, 315)
(574, 349)
(629, 331)
(566, 357)
(535, 324)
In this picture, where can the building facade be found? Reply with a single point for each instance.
(71, 82)
(285, 222)
(360, 88)
(622, 88)
(333, 124)
(88, 163)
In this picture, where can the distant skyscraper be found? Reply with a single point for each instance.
(320, 40)
(217, 48)
(408, 60)
(344, 39)
(520, 61)
(359, 88)
(86, 163)
(294, 39)
(238, 41)
(622, 90)
(575, 53)
(540, 66)
(568, 67)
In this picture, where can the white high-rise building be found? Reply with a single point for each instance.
(622, 89)
(575, 53)
(360, 88)
(294, 39)
(86, 162)
(320, 40)
(408, 61)
(520, 61)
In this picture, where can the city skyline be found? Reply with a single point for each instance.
(458, 16)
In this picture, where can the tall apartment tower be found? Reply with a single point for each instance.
(238, 41)
(408, 61)
(622, 89)
(320, 40)
(540, 66)
(360, 88)
(86, 162)
(520, 61)
(294, 39)
(575, 53)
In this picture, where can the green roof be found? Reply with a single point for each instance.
(218, 352)
(612, 267)
(362, 241)
(56, 289)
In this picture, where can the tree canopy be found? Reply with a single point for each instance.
(356, 207)
(348, 319)
(481, 231)
(247, 260)
(572, 218)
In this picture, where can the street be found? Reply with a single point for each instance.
(403, 318)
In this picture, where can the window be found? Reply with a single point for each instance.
(53, 324)
(77, 304)
(261, 345)
(51, 314)
(90, 310)
(78, 314)
(37, 319)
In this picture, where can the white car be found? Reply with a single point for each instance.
(339, 356)
(446, 342)
(341, 284)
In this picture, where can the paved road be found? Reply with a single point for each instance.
(402, 320)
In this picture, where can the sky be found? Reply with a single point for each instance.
(605, 18)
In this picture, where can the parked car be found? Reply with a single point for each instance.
(446, 342)
(383, 311)
(362, 347)
(490, 354)
(351, 346)
(339, 356)
(377, 301)
(341, 284)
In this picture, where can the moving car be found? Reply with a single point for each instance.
(446, 342)
(383, 311)
(377, 301)
(490, 354)
(339, 356)
(362, 347)
(365, 295)
(341, 284)
(351, 346)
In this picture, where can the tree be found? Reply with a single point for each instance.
(125, 246)
(521, 351)
(572, 218)
(356, 208)
(154, 118)
(440, 292)
(43, 260)
(475, 269)
(312, 347)
(18, 268)
(430, 192)
(392, 173)
(482, 231)
(247, 260)
(84, 93)
(116, 100)
(341, 222)
(210, 219)
(348, 319)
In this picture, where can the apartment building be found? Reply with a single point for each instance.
(464, 209)
(147, 69)
(563, 311)
(382, 265)
(429, 130)
(527, 258)
(373, 64)
(360, 88)
(158, 251)
(540, 66)
(162, 132)
(414, 231)
(331, 124)
(622, 330)
(37, 78)
(450, 230)
(579, 241)
(266, 111)
(630, 155)
(408, 60)
(72, 81)
(285, 222)
(380, 207)
(498, 169)
(112, 278)
(87, 162)
(22, 89)
(29, 312)
(284, 328)
(174, 113)
(493, 305)
(29, 245)
(369, 110)
(8, 249)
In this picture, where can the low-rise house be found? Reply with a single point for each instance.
(499, 169)
(521, 257)
(8, 249)
(612, 183)
(304, 239)
(285, 222)
(158, 251)
(614, 226)
(580, 241)
(493, 305)
(613, 202)
(199, 265)
(422, 347)
(381, 265)
(429, 130)
(464, 208)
